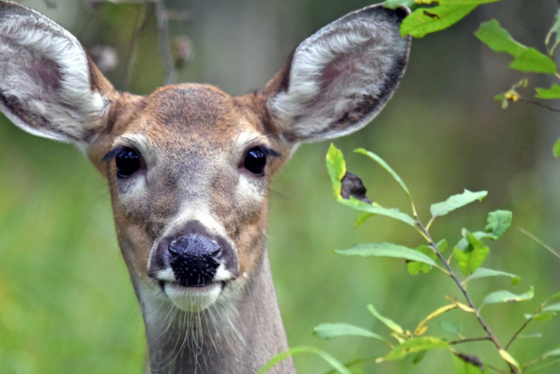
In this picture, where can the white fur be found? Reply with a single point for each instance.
(26, 40)
(367, 45)
(193, 299)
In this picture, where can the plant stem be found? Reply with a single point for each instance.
(547, 247)
(468, 340)
(521, 329)
(538, 103)
(486, 328)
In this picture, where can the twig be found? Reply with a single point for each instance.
(162, 24)
(538, 103)
(468, 340)
(539, 241)
(486, 328)
(522, 328)
(132, 47)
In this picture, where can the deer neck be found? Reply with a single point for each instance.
(237, 337)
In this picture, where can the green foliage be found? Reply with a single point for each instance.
(486, 273)
(473, 256)
(524, 58)
(507, 297)
(436, 15)
(336, 330)
(468, 256)
(556, 149)
(387, 250)
(427, 20)
(455, 202)
(548, 93)
(414, 345)
(333, 362)
(498, 223)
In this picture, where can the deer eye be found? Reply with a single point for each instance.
(255, 160)
(127, 161)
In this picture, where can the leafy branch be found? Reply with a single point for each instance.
(430, 16)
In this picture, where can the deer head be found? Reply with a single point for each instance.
(189, 168)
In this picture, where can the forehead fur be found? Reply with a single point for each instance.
(194, 110)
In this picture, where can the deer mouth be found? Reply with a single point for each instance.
(193, 298)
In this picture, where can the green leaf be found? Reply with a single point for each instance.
(548, 93)
(455, 2)
(546, 316)
(419, 357)
(385, 166)
(507, 297)
(336, 167)
(533, 369)
(336, 330)
(456, 202)
(485, 273)
(451, 327)
(554, 30)
(552, 308)
(386, 250)
(466, 364)
(498, 222)
(427, 20)
(415, 267)
(461, 2)
(531, 335)
(397, 3)
(386, 321)
(362, 218)
(525, 59)
(377, 209)
(412, 346)
(335, 364)
(473, 256)
(553, 352)
(556, 149)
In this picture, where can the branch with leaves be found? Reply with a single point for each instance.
(430, 16)
(462, 266)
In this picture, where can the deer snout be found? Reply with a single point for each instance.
(194, 260)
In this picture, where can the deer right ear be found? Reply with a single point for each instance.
(48, 85)
(339, 78)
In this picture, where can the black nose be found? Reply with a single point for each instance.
(193, 260)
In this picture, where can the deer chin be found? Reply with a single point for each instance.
(193, 299)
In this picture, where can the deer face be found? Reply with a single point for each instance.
(189, 169)
(189, 166)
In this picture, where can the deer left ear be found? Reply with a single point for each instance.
(48, 85)
(338, 79)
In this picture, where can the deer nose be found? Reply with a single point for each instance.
(194, 260)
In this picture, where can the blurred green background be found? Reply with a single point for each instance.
(66, 303)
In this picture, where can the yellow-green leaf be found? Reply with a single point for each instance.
(336, 167)
(386, 321)
(421, 328)
(414, 345)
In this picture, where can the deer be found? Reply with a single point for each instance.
(189, 169)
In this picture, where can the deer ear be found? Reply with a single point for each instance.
(48, 85)
(338, 79)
